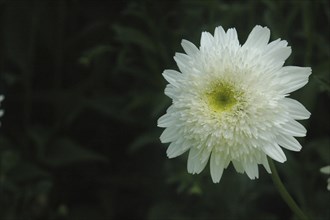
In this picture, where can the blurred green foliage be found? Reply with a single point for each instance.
(84, 90)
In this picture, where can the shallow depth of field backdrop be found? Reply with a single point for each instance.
(83, 87)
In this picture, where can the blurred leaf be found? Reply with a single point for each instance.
(85, 212)
(160, 103)
(18, 48)
(324, 84)
(25, 171)
(93, 53)
(196, 190)
(134, 36)
(9, 78)
(8, 157)
(143, 140)
(68, 104)
(112, 106)
(322, 76)
(65, 151)
(39, 136)
(166, 210)
(8, 160)
(43, 186)
(322, 147)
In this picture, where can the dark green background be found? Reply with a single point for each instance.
(83, 86)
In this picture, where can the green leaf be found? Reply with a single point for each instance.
(134, 36)
(27, 171)
(8, 160)
(8, 157)
(20, 49)
(93, 53)
(143, 140)
(321, 146)
(65, 151)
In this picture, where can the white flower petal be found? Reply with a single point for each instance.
(172, 77)
(169, 134)
(176, 149)
(232, 38)
(166, 121)
(294, 128)
(258, 38)
(238, 166)
(293, 78)
(206, 40)
(265, 163)
(220, 35)
(227, 40)
(170, 91)
(277, 52)
(182, 60)
(275, 152)
(279, 55)
(288, 142)
(251, 169)
(217, 165)
(296, 109)
(197, 160)
(325, 170)
(274, 46)
(189, 48)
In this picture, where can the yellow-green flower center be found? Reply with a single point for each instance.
(222, 97)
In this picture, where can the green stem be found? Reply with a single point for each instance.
(284, 193)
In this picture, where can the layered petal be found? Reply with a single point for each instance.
(206, 40)
(217, 165)
(197, 160)
(189, 48)
(173, 77)
(275, 152)
(288, 142)
(296, 109)
(294, 129)
(176, 149)
(292, 78)
(258, 38)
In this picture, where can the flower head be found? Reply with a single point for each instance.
(230, 103)
(326, 170)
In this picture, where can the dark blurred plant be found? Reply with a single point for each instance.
(83, 88)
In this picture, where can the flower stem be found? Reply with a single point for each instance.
(284, 193)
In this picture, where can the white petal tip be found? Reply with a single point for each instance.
(216, 177)
(280, 160)
(325, 170)
(275, 152)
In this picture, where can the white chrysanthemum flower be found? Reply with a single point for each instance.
(326, 170)
(230, 103)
